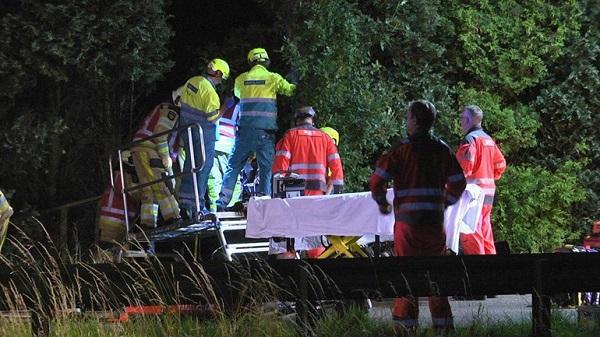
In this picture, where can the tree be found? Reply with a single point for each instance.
(78, 66)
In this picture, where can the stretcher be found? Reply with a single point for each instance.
(343, 218)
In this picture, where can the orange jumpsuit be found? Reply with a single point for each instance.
(482, 163)
(426, 178)
(309, 152)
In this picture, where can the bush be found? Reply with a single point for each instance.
(532, 212)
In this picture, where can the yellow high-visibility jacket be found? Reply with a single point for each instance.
(199, 101)
(257, 90)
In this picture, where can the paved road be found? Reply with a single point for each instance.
(513, 308)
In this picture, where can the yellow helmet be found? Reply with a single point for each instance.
(258, 54)
(332, 133)
(219, 65)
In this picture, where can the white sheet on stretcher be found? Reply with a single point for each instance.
(350, 214)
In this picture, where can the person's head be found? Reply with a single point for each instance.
(258, 56)
(176, 95)
(218, 70)
(471, 116)
(331, 132)
(420, 116)
(304, 115)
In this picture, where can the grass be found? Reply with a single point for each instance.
(39, 267)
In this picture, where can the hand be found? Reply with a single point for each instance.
(167, 163)
(385, 208)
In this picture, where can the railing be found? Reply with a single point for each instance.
(64, 209)
(124, 189)
(540, 275)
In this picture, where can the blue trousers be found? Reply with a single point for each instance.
(186, 193)
(248, 141)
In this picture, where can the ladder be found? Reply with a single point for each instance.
(232, 230)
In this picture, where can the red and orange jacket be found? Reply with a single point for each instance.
(162, 118)
(111, 220)
(309, 152)
(481, 161)
(426, 176)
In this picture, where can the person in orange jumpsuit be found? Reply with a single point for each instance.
(482, 163)
(312, 154)
(427, 178)
(309, 152)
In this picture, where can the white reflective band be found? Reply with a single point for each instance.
(333, 157)
(337, 182)
(480, 181)
(320, 177)
(489, 191)
(500, 165)
(419, 192)
(306, 166)
(268, 114)
(284, 153)
(258, 100)
(382, 173)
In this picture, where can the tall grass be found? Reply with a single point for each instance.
(39, 281)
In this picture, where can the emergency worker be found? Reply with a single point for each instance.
(482, 163)
(426, 178)
(312, 154)
(111, 217)
(257, 90)
(152, 161)
(5, 213)
(200, 104)
(309, 152)
(331, 132)
(223, 149)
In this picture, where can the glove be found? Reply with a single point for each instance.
(167, 162)
(385, 208)
(292, 77)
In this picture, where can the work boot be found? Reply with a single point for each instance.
(207, 216)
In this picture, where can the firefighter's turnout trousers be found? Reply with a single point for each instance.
(148, 167)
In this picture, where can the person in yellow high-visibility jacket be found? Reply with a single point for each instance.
(200, 104)
(5, 213)
(257, 90)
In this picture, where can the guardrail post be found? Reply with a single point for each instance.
(302, 299)
(540, 303)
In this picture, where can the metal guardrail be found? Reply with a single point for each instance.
(303, 281)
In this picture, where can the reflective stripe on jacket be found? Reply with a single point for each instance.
(482, 161)
(257, 90)
(162, 118)
(226, 127)
(426, 178)
(309, 152)
(200, 101)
